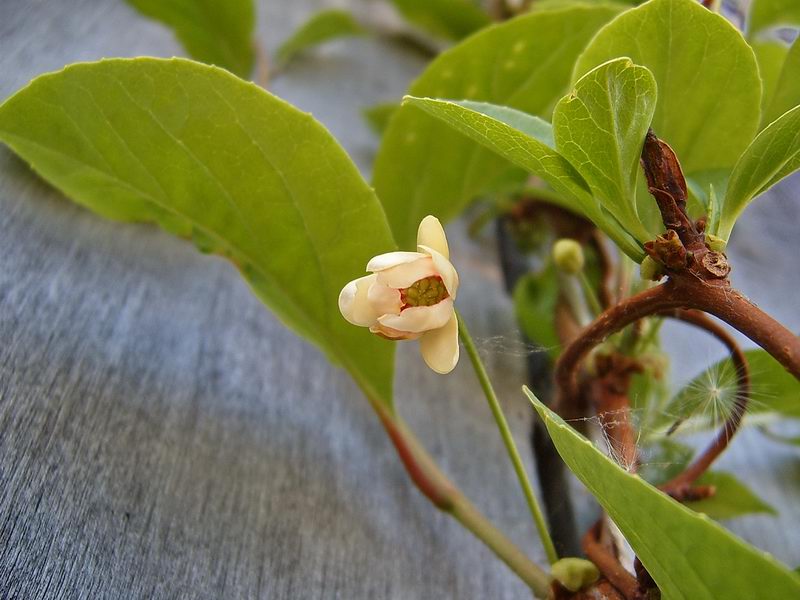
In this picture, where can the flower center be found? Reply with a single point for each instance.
(425, 292)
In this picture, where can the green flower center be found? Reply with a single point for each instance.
(425, 292)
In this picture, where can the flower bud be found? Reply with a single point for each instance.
(409, 296)
(717, 244)
(568, 256)
(575, 573)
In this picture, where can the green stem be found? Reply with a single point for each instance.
(508, 439)
(447, 497)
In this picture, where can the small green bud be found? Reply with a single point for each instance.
(650, 269)
(575, 573)
(717, 244)
(568, 256)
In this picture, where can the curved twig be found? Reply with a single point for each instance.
(609, 566)
(687, 292)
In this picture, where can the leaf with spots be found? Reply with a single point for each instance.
(709, 90)
(209, 156)
(426, 167)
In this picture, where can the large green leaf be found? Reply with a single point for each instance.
(213, 32)
(453, 19)
(207, 155)
(527, 141)
(773, 155)
(766, 14)
(324, 26)
(424, 167)
(785, 93)
(711, 395)
(706, 74)
(600, 128)
(689, 556)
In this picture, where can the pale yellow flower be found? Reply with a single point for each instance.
(409, 295)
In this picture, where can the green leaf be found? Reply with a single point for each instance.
(688, 555)
(209, 156)
(452, 19)
(600, 128)
(666, 458)
(706, 74)
(324, 26)
(732, 498)
(711, 395)
(786, 91)
(379, 115)
(217, 33)
(424, 166)
(527, 142)
(766, 14)
(535, 297)
(771, 56)
(773, 155)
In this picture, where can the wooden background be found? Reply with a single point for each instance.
(163, 436)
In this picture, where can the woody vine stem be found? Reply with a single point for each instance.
(696, 286)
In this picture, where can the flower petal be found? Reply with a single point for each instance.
(384, 300)
(431, 234)
(392, 334)
(439, 347)
(420, 318)
(403, 275)
(392, 259)
(444, 268)
(354, 302)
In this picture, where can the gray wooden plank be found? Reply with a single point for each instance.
(162, 435)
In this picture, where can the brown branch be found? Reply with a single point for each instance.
(603, 557)
(680, 484)
(686, 292)
(648, 302)
(609, 391)
(737, 311)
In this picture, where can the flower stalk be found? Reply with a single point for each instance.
(444, 494)
(508, 440)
